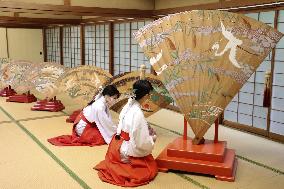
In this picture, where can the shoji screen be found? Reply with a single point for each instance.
(246, 107)
(121, 48)
(127, 54)
(90, 45)
(53, 44)
(97, 45)
(137, 55)
(277, 108)
(71, 46)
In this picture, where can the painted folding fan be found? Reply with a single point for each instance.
(15, 74)
(160, 97)
(42, 78)
(204, 57)
(79, 85)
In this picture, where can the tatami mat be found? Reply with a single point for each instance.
(82, 159)
(4, 117)
(79, 161)
(23, 110)
(24, 165)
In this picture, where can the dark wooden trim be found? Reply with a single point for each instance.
(82, 44)
(111, 49)
(73, 10)
(44, 45)
(276, 137)
(61, 45)
(259, 9)
(103, 20)
(7, 43)
(245, 128)
(40, 21)
(9, 25)
(220, 5)
(272, 74)
(130, 44)
(254, 130)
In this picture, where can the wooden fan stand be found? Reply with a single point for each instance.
(212, 157)
(7, 91)
(23, 98)
(51, 105)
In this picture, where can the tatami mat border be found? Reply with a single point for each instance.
(55, 158)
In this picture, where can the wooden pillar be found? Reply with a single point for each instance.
(111, 49)
(61, 45)
(82, 44)
(44, 45)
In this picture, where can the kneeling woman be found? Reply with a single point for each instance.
(128, 161)
(93, 126)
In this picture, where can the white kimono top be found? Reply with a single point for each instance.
(132, 121)
(98, 112)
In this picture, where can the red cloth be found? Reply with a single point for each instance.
(140, 170)
(91, 135)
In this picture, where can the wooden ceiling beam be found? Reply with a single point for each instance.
(16, 25)
(42, 21)
(73, 10)
(222, 5)
(109, 19)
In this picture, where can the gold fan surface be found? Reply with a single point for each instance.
(79, 85)
(43, 76)
(204, 57)
(160, 97)
(15, 73)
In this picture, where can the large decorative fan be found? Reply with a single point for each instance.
(78, 85)
(204, 57)
(3, 62)
(43, 77)
(15, 74)
(160, 97)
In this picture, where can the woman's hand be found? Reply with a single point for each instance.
(154, 137)
(124, 158)
(151, 130)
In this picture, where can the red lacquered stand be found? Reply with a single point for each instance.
(72, 117)
(211, 158)
(52, 105)
(23, 98)
(7, 91)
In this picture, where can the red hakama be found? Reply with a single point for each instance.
(91, 135)
(139, 171)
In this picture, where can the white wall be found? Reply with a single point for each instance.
(3, 43)
(23, 44)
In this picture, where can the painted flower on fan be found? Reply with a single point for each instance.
(146, 106)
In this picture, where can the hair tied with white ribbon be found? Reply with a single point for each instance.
(132, 94)
(100, 94)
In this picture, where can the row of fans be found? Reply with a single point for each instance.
(75, 87)
(203, 58)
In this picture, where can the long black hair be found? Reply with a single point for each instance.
(141, 88)
(109, 90)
